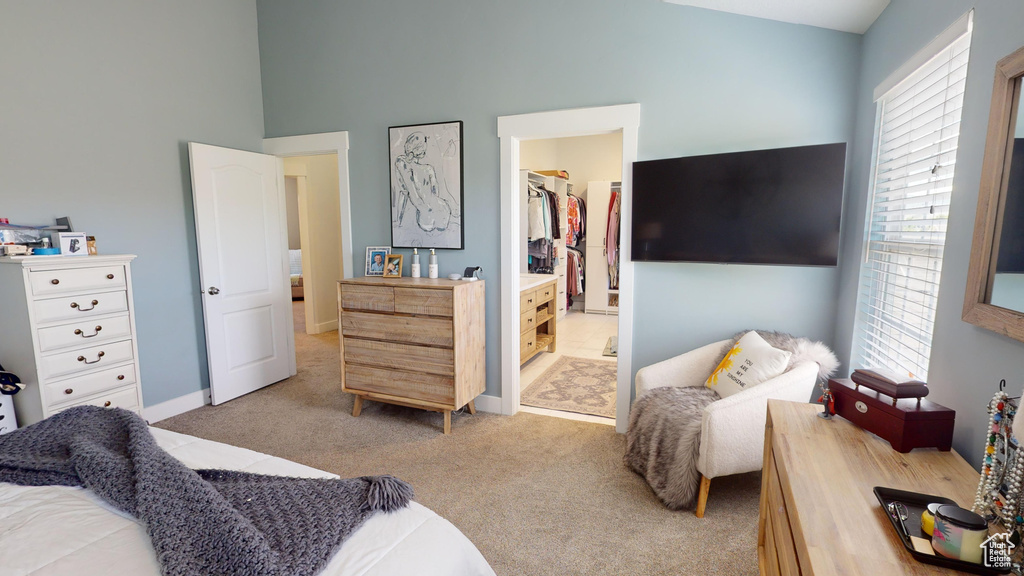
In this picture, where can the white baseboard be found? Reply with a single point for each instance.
(322, 327)
(485, 403)
(179, 405)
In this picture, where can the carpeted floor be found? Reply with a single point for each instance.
(573, 384)
(537, 495)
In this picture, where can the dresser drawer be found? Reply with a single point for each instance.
(546, 293)
(527, 300)
(53, 282)
(83, 359)
(373, 298)
(423, 301)
(75, 307)
(527, 342)
(405, 329)
(85, 333)
(127, 398)
(527, 321)
(426, 387)
(440, 361)
(74, 389)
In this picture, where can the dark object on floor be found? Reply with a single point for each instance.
(906, 423)
(200, 521)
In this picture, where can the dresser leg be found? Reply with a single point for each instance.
(702, 498)
(472, 407)
(447, 421)
(357, 406)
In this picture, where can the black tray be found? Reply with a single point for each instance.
(916, 504)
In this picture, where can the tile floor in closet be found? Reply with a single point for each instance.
(580, 335)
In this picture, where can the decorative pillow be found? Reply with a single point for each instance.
(750, 362)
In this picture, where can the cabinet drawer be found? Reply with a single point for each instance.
(127, 398)
(527, 300)
(85, 333)
(374, 298)
(52, 282)
(404, 329)
(426, 387)
(782, 533)
(440, 361)
(528, 321)
(527, 341)
(83, 306)
(74, 389)
(423, 301)
(545, 293)
(83, 359)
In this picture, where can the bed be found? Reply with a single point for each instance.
(57, 530)
(295, 273)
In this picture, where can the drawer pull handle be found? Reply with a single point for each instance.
(69, 391)
(99, 356)
(55, 281)
(80, 309)
(78, 332)
(529, 301)
(106, 404)
(110, 276)
(120, 376)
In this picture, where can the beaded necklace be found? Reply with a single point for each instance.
(999, 489)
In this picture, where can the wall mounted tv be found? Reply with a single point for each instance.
(780, 206)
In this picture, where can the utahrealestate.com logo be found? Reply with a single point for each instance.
(997, 550)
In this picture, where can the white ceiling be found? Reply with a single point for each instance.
(844, 15)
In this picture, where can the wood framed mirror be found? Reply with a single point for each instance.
(995, 279)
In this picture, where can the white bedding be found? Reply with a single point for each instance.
(56, 530)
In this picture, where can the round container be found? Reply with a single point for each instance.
(928, 518)
(958, 533)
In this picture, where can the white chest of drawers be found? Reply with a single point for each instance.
(67, 329)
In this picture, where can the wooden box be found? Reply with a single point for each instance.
(907, 424)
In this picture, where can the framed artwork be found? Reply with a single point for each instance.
(426, 185)
(375, 256)
(393, 266)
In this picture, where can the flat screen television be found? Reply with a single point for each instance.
(780, 206)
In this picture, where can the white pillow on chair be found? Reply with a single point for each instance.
(750, 362)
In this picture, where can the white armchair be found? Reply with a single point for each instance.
(732, 428)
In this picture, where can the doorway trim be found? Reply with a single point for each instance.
(324, 143)
(563, 124)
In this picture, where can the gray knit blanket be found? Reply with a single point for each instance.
(201, 522)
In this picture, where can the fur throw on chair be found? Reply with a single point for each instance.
(803, 350)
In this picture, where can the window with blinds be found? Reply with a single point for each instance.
(915, 157)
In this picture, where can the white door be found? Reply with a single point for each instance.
(240, 229)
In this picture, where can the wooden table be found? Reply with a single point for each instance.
(818, 512)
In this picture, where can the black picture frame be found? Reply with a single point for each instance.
(427, 186)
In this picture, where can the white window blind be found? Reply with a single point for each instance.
(915, 157)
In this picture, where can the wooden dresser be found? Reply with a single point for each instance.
(538, 319)
(69, 333)
(818, 512)
(415, 342)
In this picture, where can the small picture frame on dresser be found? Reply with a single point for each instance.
(72, 243)
(375, 256)
(393, 266)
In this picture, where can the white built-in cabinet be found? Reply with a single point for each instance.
(68, 332)
(562, 188)
(599, 298)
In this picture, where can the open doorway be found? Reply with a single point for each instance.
(512, 130)
(571, 189)
(314, 240)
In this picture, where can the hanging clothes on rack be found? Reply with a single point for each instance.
(612, 239)
(543, 228)
(576, 216)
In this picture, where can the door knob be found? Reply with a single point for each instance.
(213, 290)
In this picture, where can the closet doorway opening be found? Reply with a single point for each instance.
(619, 122)
(569, 288)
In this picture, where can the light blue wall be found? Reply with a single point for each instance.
(966, 362)
(98, 101)
(706, 81)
